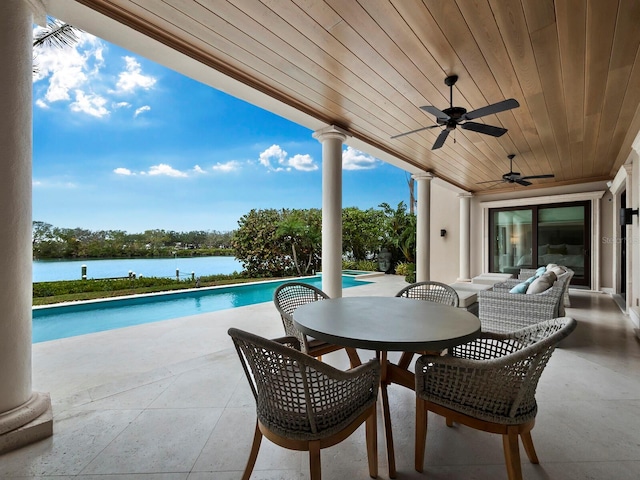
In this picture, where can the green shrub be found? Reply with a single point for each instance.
(349, 264)
(403, 268)
(67, 287)
(364, 265)
(408, 270)
(367, 265)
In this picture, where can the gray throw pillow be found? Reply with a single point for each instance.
(542, 283)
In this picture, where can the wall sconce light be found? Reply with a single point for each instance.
(626, 216)
(443, 232)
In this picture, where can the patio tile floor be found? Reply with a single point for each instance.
(169, 401)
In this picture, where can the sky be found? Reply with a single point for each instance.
(123, 143)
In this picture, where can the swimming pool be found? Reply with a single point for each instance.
(55, 322)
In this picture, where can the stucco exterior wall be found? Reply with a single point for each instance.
(445, 251)
(633, 239)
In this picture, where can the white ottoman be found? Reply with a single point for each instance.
(468, 299)
(491, 278)
(473, 287)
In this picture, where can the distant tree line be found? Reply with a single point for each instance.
(51, 242)
(268, 243)
(288, 242)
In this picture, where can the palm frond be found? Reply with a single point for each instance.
(57, 34)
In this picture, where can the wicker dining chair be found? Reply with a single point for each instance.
(291, 295)
(303, 403)
(489, 384)
(430, 291)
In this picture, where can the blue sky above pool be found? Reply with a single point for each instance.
(121, 142)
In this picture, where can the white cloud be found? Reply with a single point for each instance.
(77, 75)
(132, 77)
(226, 167)
(275, 158)
(138, 111)
(67, 68)
(353, 159)
(164, 169)
(303, 162)
(54, 184)
(273, 154)
(91, 104)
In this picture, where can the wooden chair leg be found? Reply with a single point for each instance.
(527, 442)
(421, 433)
(314, 460)
(371, 430)
(405, 360)
(354, 358)
(257, 439)
(386, 413)
(512, 453)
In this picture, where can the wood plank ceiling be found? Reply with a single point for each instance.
(368, 65)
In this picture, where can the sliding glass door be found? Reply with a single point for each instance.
(537, 235)
(512, 240)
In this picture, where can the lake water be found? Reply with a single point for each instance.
(53, 270)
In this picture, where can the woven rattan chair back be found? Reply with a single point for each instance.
(432, 291)
(490, 384)
(303, 403)
(290, 296)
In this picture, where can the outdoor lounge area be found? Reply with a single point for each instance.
(554, 84)
(169, 401)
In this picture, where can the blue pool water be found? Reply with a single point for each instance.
(52, 323)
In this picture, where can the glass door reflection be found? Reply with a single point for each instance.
(512, 240)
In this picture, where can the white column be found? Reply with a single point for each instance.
(331, 138)
(25, 416)
(465, 237)
(423, 227)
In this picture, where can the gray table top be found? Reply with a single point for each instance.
(387, 323)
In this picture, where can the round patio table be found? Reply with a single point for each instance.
(388, 324)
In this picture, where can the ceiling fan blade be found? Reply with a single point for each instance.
(414, 131)
(439, 114)
(483, 128)
(548, 175)
(523, 182)
(440, 140)
(491, 109)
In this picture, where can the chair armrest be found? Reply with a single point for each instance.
(506, 285)
(526, 273)
(289, 341)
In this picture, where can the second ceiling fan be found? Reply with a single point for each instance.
(515, 177)
(452, 117)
